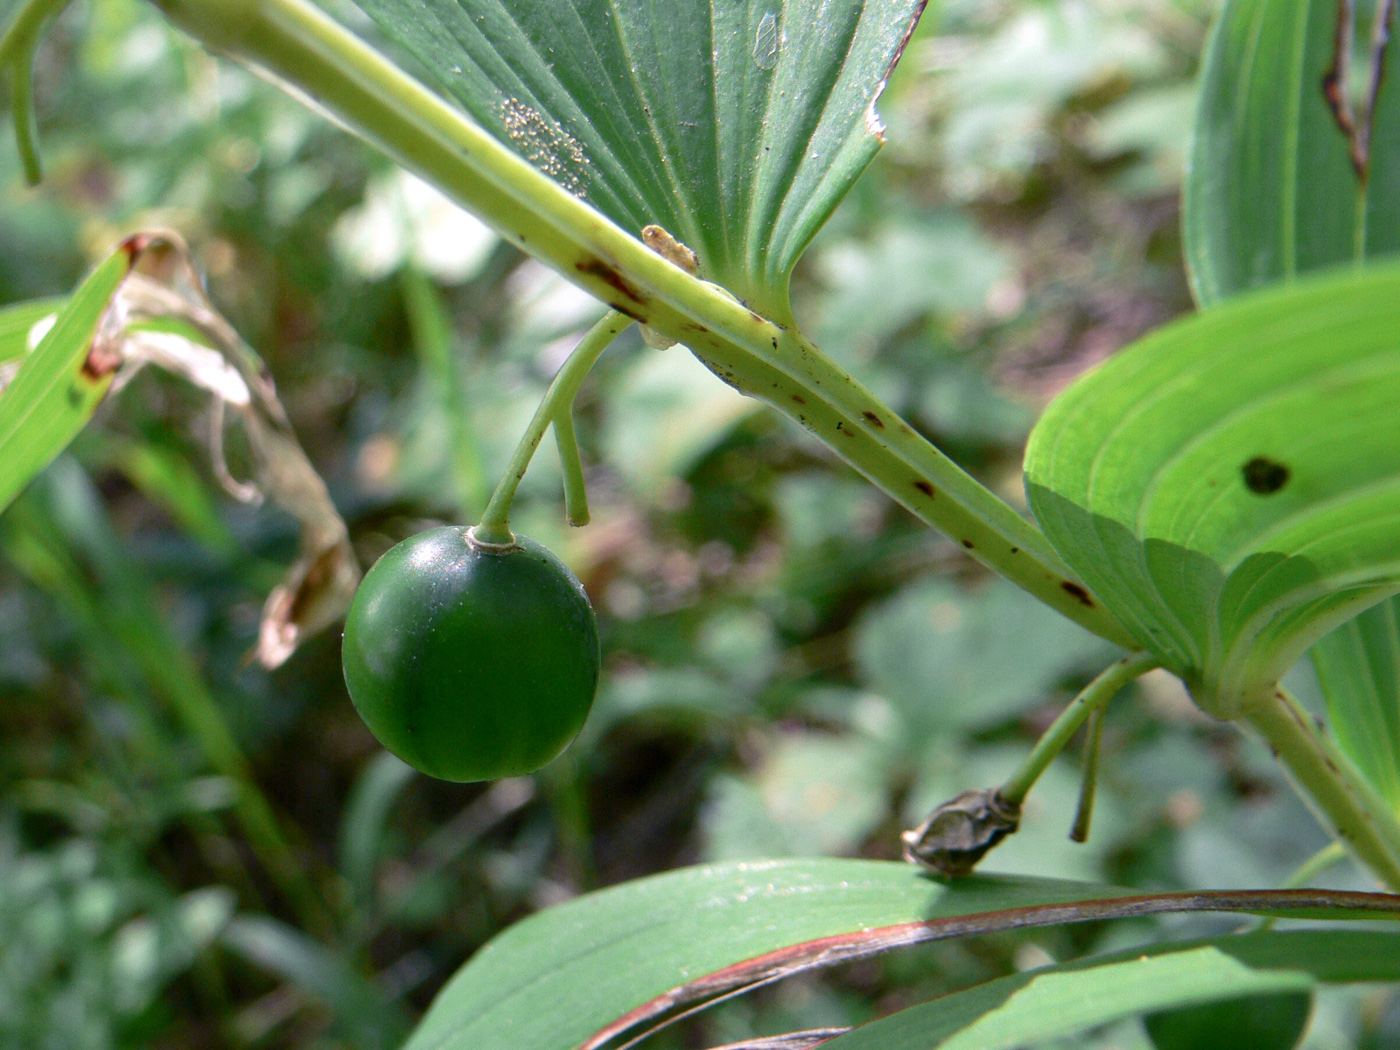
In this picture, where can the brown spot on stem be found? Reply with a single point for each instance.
(874, 420)
(969, 545)
(595, 267)
(799, 399)
(924, 487)
(1079, 593)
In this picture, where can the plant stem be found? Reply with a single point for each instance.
(1088, 777)
(558, 402)
(1329, 781)
(571, 463)
(1332, 853)
(26, 131)
(17, 51)
(1097, 693)
(318, 59)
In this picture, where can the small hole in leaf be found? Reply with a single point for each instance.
(1264, 476)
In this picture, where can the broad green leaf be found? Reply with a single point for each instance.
(1272, 192)
(554, 979)
(16, 322)
(562, 975)
(55, 391)
(1229, 485)
(736, 125)
(1058, 1001)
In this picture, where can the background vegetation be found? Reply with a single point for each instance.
(776, 633)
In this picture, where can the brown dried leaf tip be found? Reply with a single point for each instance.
(957, 834)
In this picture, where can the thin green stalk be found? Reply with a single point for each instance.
(1326, 857)
(1332, 853)
(297, 44)
(17, 52)
(22, 101)
(1088, 777)
(571, 463)
(24, 29)
(1096, 694)
(1327, 779)
(558, 402)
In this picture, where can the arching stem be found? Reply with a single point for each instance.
(1095, 695)
(17, 53)
(558, 403)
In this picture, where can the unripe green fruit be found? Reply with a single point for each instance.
(470, 661)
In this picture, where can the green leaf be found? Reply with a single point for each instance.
(557, 977)
(55, 392)
(16, 322)
(737, 125)
(562, 975)
(1272, 192)
(1057, 1001)
(1229, 486)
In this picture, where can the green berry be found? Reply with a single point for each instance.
(471, 661)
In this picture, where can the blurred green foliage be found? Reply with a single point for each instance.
(793, 665)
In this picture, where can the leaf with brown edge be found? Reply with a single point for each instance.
(609, 964)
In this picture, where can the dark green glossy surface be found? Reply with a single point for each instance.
(468, 663)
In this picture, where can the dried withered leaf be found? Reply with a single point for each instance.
(958, 833)
(165, 285)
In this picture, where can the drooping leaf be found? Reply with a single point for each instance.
(1062, 1000)
(1229, 486)
(736, 125)
(575, 974)
(1275, 191)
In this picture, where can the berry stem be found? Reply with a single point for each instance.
(1089, 777)
(571, 463)
(1095, 695)
(558, 403)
